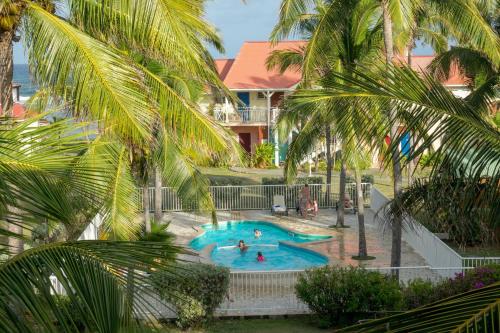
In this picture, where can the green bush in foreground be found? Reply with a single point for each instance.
(195, 290)
(341, 295)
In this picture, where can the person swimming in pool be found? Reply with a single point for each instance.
(257, 233)
(242, 246)
(260, 257)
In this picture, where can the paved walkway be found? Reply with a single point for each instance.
(339, 249)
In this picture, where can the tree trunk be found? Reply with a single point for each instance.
(16, 245)
(328, 139)
(145, 201)
(316, 160)
(411, 162)
(397, 221)
(158, 195)
(6, 70)
(362, 250)
(340, 210)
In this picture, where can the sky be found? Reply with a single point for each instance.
(236, 21)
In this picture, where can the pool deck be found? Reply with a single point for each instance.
(339, 249)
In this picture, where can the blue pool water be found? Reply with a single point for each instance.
(278, 256)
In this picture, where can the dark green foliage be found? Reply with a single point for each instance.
(195, 290)
(298, 180)
(263, 155)
(418, 292)
(225, 180)
(364, 179)
(340, 294)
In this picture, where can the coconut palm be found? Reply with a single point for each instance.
(43, 169)
(464, 19)
(86, 57)
(357, 40)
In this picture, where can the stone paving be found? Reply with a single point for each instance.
(339, 249)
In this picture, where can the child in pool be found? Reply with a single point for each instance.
(242, 246)
(260, 257)
(257, 233)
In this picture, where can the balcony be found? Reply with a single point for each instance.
(245, 115)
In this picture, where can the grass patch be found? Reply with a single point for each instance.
(301, 324)
(475, 251)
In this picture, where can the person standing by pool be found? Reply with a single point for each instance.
(260, 257)
(305, 199)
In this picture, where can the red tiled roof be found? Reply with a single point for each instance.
(420, 63)
(223, 67)
(249, 71)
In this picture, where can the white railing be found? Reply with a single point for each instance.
(245, 115)
(254, 293)
(258, 197)
(435, 252)
(479, 261)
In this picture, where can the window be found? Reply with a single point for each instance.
(260, 95)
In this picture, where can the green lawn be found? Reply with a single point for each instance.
(383, 180)
(285, 325)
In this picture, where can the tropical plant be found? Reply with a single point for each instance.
(263, 155)
(341, 294)
(473, 311)
(357, 40)
(42, 169)
(464, 20)
(198, 290)
(104, 67)
(469, 143)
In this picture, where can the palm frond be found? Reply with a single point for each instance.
(103, 84)
(95, 276)
(474, 311)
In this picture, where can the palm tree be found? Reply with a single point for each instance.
(467, 26)
(42, 170)
(92, 68)
(356, 40)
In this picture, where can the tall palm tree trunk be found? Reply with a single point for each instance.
(329, 164)
(362, 249)
(411, 162)
(396, 166)
(158, 195)
(6, 70)
(340, 210)
(147, 207)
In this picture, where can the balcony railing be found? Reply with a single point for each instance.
(245, 115)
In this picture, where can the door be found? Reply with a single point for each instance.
(245, 98)
(245, 141)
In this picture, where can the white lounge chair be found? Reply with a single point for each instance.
(279, 206)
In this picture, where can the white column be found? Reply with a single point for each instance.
(268, 95)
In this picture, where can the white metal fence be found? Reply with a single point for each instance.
(435, 252)
(258, 197)
(273, 292)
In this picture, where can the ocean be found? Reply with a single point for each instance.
(23, 77)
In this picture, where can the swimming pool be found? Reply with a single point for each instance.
(279, 256)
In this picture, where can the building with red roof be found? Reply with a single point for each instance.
(261, 91)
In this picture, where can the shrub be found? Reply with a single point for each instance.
(339, 294)
(263, 156)
(299, 180)
(418, 293)
(74, 316)
(225, 180)
(364, 179)
(195, 290)
(473, 279)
